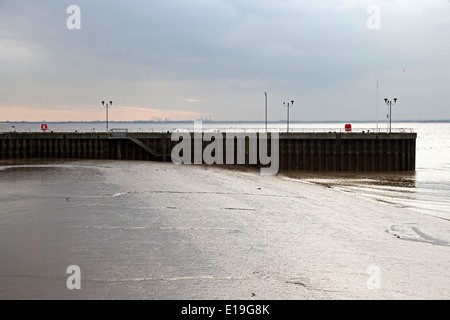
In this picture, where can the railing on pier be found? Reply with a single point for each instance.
(124, 131)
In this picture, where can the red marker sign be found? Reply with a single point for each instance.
(348, 128)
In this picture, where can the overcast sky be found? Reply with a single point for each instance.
(186, 58)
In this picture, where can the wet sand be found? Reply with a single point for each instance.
(142, 230)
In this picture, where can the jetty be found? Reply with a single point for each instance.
(302, 151)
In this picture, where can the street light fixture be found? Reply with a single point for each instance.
(107, 105)
(390, 103)
(288, 107)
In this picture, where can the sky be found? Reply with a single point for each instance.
(190, 59)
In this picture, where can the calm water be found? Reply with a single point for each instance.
(427, 190)
(157, 231)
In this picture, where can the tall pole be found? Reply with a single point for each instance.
(288, 106)
(387, 116)
(390, 116)
(292, 104)
(107, 105)
(265, 93)
(389, 104)
(288, 118)
(377, 105)
(107, 120)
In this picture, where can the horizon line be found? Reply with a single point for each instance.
(234, 121)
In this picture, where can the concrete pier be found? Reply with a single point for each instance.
(359, 152)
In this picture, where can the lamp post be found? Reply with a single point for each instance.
(288, 107)
(107, 105)
(265, 93)
(389, 103)
(377, 105)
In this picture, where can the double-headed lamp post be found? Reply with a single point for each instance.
(390, 103)
(107, 105)
(288, 107)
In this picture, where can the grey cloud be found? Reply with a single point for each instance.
(316, 51)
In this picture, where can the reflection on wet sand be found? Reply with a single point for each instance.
(390, 180)
(403, 190)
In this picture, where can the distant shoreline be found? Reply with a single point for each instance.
(209, 121)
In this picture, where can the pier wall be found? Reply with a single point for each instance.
(359, 152)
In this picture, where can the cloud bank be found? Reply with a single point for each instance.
(218, 57)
